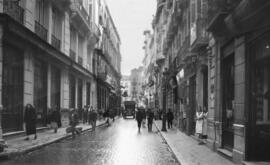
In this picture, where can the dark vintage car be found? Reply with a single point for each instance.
(129, 109)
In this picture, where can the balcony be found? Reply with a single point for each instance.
(198, 36)
(80, 14)
(80, 60)
(41, 31)
(14, 10)
(72, 54)
(56, 42)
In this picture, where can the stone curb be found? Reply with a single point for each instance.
(180, 161)
(12, 154)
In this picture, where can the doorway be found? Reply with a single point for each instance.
(260, 112)
(40, 91)
(12, 88)
(228, 87)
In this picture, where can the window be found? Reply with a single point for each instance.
(40, 12)
(193, 11)
(73, 38)
(56, 23)
(261, 88)
(80, 47)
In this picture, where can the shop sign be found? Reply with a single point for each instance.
(193, 34)
(180, 75)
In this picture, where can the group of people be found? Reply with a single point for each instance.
(141, 116)
(54, 120)
(90, 116)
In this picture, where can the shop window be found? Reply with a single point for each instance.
(262, 97)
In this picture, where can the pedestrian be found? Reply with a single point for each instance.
(150, 118)
(74, 120)
(90, 108)
(170, 117)
(144, 117)
(55, 120)
(139, 118)
(199, 124)
(204, 130)
(94, 119)
(159, 114)
(30, 121)
(85, 114)
(106, 116)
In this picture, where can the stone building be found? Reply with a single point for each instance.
(136, 80)
(108, 61)
(214, 55)
(48, 58)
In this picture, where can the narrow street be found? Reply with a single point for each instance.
(118, 144)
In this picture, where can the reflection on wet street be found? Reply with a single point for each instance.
(118, 144)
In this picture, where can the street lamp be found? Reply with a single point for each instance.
(164, 84)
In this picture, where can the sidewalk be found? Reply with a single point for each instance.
(18, 146)
(187, 150)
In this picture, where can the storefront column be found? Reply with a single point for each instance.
(49, 86)
(1, 73)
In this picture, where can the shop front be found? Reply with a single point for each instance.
(258, 141)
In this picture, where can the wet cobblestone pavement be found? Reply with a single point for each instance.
(118, 144)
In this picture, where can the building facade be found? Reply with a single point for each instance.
(108, 61)
(48, 58)
(136, 79)
(213, 55)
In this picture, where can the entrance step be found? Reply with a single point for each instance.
(255, 163)
(226, 153)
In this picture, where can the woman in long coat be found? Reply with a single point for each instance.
(30, 121)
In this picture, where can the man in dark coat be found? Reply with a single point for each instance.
(170, 118)
(30, 121)
(93, 119)
(150, 117)
(85, 114)
(55, 120)
(139, 118)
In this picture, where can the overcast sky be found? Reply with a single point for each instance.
(131, 18)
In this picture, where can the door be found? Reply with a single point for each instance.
(228, 71)
(192, 105)
(12, 96)
(40, 91)
(55, 87)
(79, 97)
(260, 112)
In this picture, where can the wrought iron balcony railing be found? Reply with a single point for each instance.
(95, 29)
(41, 31)
(56, 42)
(78, 7)
(14, 10)
(72, 54)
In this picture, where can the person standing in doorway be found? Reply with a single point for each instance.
(199, 124)
(204, 129)
(30, 118)
(170, 118)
